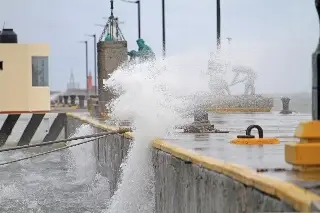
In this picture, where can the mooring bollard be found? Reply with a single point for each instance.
(201, 116)
(249, 139)
(285, 105)
(201, 124)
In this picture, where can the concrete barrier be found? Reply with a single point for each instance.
(189, 182)
(186, 181)
(31, 128)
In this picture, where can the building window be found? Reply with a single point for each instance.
(1, 65)
(40, 71)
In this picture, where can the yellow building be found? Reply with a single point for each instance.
(24, 78)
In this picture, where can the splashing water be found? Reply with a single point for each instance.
(82, 158)
(83, 170)
(63, 181)
(154, 96)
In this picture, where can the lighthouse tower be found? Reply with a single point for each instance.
(90, 81)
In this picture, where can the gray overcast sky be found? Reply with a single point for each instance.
(276, 37)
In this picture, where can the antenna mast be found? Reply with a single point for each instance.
(111, 7)
(112, 30)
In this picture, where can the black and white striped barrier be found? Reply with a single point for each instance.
(23, 129)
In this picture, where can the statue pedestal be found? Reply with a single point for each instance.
(242, 104)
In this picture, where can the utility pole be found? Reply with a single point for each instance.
(163, 28)
(87, 67)
(95, 61)
(139, 18)
(218, 25)
(139, 14)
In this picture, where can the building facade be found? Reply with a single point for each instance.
(24, 78)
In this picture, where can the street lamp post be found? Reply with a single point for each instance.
(87, 68)
(163, 28)
(95, 61)
(218, 25)
(139, 14)
(139, 18)
(316, 76)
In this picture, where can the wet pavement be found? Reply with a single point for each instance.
(218, 145)
(266, 157)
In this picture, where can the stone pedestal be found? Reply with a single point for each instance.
(60, 99)
(111, 54)
(242, 103)
(66, 99)
(81, 101)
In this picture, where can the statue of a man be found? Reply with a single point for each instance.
(249, 79)
(144, 52)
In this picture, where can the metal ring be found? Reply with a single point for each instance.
(259, 128)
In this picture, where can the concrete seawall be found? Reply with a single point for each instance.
(184, 186)
(189, 182)
(109, 151)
